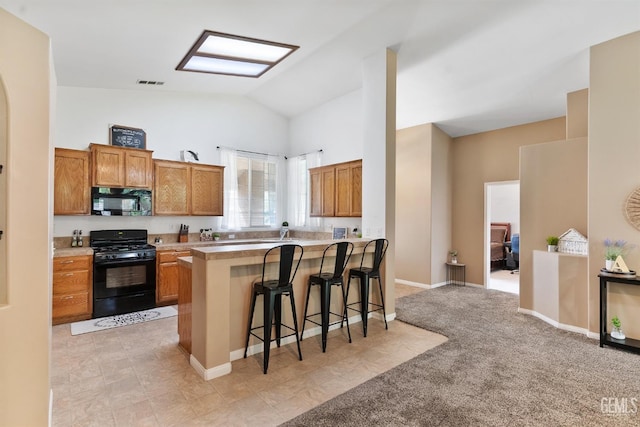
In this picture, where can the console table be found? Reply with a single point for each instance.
(629, 344)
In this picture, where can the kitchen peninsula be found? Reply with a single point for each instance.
(222, 277)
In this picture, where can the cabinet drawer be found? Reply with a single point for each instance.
(70, 305)
(68, 263)
(171, 256)
(68, 282)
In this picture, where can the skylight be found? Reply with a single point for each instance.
(220, 53)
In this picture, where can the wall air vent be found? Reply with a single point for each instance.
(150, 82)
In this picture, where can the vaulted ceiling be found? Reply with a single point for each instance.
(466, 65)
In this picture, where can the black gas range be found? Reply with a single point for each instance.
(124, 272)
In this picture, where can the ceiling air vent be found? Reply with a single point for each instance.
(150, 82)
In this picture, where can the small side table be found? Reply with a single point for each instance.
(456, 274)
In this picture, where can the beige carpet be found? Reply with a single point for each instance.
(499, 368)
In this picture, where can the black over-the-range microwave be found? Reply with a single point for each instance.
(120, 201)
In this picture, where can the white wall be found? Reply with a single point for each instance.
(173, 122)
(336, 127)
(505, 204)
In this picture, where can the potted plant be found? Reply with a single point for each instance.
(617, 329)
(216, 236)
(454, 256)
(552, 243)
(612, 250)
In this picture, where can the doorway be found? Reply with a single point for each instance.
(502, 206)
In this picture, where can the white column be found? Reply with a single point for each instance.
(379, 158)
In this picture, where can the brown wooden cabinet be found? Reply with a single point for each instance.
(336, 190)
(207, 190)
(171, 189)
(322, 182)
(187, 189)
(167, 275)
(71, 189)
(72, 289)
(184, 307)
(121, 167)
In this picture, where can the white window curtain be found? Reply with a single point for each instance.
(281, 184)
(231, 218)
(313, 161)
(298, 190)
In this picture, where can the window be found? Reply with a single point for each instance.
(257, 198)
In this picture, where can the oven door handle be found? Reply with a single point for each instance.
(111, 262)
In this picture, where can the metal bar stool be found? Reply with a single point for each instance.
(365, 274)
(273, 291)
(325, 281)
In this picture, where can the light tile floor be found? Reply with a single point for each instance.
(503, 280)
(137, 375)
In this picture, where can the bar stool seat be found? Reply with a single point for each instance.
(273, 291)
(326, 281)
(365, 274)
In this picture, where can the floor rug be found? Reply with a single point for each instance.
(499, 368)
(103, 323)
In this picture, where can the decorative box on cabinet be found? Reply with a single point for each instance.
(121, 167)
(71, 190)
(167, 275)
(72, 289)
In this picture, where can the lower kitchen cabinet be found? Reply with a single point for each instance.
(72, 289)
(184, 307)
(167, 275)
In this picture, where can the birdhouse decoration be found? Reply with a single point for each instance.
(572, 242)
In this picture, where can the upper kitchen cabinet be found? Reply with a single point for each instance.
(322, 183)
(171, 189)
(349, 189)
(71, 190)
(122, 167)
(336, 190)
(187, 189)
(207, 189)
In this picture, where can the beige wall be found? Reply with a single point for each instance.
(413, 204)
(578, 114)
(25, 322)
(553, 199)
(440, 203)
(487, 157)
(614, 155)
(423, 204)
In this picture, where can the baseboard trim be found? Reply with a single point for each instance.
(211, 373)
(554, 323)
(420, 285)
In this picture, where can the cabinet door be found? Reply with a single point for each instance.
(355, 173)
(72, 289)
(184, 307)
(71, 192)
(207, 190)
(138, 169)
(171, 189)
(343, 190)
(107, 166)
(328, 191)
(167, 276)
(315, 190)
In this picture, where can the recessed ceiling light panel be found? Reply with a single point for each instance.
(220, 53)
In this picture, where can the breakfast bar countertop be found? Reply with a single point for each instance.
(254, 247)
